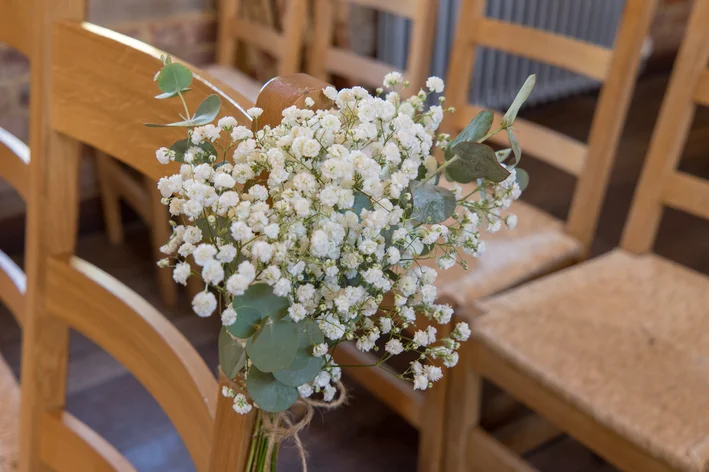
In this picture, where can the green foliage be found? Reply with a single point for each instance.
(361, 202)
(274, 345)
(516, 149)
(174, 78)
(268, 393)
(181, 147)
(522, 96)
(308, 335)
(432, 204)
(296, 378)
(206, 112)
(522, 178)
(477, 129)
(254, 305)
(475, 161)
(503, 154)
(232, 356)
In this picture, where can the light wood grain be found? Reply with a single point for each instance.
(14, 161)
(561, 51)
(106, 171)
(701, 92)
(16, 25)
(485, 454)
(687, 85)
(325, 59)
(160, 232)
(688, 193)
(120, 83)
(71, 446)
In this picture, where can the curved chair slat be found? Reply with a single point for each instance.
(15, 25)
(14, 158)
(140, 338)
(118, 82)
(69, 445)
(13, 285)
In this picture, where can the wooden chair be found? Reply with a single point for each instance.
(116, 183)
(541, 243)
(611, 351)
(16, 32)
(235, 27)
(325, 59)
(88, 75)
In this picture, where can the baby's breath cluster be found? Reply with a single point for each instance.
(337, 212)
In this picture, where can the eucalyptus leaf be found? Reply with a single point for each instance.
(503, 154)
(232, 356)
(296, 378)
(309, 335)
(268, 393)
(522, 96)
(516, 149)
(206, 112)
(254, 305)
(165, 95)
(274, 345)
(476, 129)
(181, 147)
(174, 78)
(522, 178)
(361, 202)
(475, 161)
(432, 204)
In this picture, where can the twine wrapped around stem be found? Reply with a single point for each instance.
(285, 425)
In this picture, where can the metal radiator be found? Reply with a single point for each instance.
(498, 75)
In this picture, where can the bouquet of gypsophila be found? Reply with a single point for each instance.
(300, 230)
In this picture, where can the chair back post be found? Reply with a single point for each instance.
(423, 30)
(608, 120)
(52, 219)
(689, 78)
(227, 13)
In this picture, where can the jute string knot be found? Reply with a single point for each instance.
(288, 424)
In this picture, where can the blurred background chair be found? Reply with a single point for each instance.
(613, 350)
(326, 60)
(85, 71)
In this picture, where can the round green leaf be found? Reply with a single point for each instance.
(475, 161)
(361, 202)
(261, 297)
(476, 129)
(174, 78)
(274, 345)
(296, 378)
(268, 393)
(247, 322)
(232, 357)
(516, 149)
(309, 335)
(522, 178)
(432, 204)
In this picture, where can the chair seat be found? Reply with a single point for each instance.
(537, 246)
(623, 338)
(9, 418)
(237, 80)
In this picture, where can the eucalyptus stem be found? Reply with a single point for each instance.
(184, 104)
(254, 443)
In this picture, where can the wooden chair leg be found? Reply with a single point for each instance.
(159, 234)
(433, 425)
(109, 200)
(464, 398)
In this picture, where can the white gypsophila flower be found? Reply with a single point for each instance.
(228, 316)
(254, 112)
(181, 273)
(204, 304)
(420, 382)
(394, 347)
(320, 350)
(241, 404)
(461, 332)
(305, 390)
(435, 84)
(213, 272)
(228, 392)
(163, 155)
(204, 253)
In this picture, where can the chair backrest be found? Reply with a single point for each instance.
(286, 47)
(15, 31)
(96, 87)
(326, 59)
(615, 68)
(661, 183)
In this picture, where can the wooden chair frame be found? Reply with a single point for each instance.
(70, 99)
(661, 184)
(286, 47)
(615, 68)
(325, 58)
